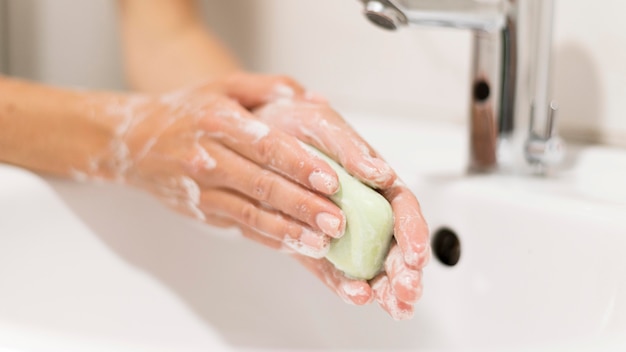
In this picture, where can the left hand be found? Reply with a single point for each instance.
(399, 286)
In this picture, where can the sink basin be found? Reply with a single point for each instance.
(88, 267)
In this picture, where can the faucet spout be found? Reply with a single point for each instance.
(510, 84)
(463, 14)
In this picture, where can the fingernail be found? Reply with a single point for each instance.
(384, 171)
(400, 311)
(412, 258)
(356, 293)
(330, 224)
(314, 240)
(377, 172)
(323, 182)
(408, 279)
(418, 257)
(309, 244)
(426, 255)
(407, 286)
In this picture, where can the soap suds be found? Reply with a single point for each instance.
(351, 290)
(257, 129)
(310, 244)
(306, 132)
(398, 183)
(183, 193)
(282, 91)
(345, 287)
(303, 249)
(78, 176)
(191, 197)
(385, 297)
(203, 159)
(314, 97)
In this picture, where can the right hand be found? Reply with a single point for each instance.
(207, 157)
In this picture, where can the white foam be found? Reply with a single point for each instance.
(303, 249)
(78, 175)
(192, 191)
(353, 290)
(257, 129)
(282, 91)
(206, 161)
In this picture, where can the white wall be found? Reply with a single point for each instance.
(66, 42)
(330, 47)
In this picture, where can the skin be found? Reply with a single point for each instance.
(219, 144)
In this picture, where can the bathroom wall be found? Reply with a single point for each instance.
(418, 73)
(65, 42)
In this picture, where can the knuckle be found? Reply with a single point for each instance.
(292, 231)
(249, 215)
(265, 149)
(303, 209)
(263, 186)
(198, 161)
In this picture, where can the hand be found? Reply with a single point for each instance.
(207, 157)
(314, 122)
(252, 90)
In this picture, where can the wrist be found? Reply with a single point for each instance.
(51, 130)
(113, 117)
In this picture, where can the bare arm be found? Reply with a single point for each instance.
(52, 130)
(166, 45)
(207, 156)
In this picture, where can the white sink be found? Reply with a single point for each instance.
(106, 268)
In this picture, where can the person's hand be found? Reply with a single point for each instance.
(399, 286)
(206, 156)
(253, 90)
(282, 103)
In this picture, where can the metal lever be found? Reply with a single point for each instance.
(551, 125)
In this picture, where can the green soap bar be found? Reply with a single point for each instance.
(369, 227)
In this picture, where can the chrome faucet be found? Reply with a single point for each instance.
(512, 116)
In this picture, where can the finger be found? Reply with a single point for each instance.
(314, 97)
(405, 283)
(410, 229)
(247, 212)
(322, 127)
(219, 221)
(253, 90)
(260, 238)
(388, 301)
(270, 148)
(238, 173)
(357, 292)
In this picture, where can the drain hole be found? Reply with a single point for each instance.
(482, 91)
(446, 247)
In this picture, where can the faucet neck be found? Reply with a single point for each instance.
(511, 61)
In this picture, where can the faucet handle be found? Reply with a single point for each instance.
(553, 110)
(548, 150)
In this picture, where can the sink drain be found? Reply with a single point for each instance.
(446, 247)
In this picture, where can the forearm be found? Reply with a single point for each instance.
(167, 46)
(54, 131)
